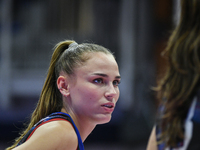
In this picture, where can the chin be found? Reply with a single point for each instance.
(104, 120)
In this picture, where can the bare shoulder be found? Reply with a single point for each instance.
(53, 135)
(61, 132)
(152, 143)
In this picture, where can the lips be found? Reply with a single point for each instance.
(109, 107)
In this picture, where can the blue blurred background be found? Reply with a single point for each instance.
(135, 30)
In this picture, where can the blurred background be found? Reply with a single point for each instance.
(135, 30)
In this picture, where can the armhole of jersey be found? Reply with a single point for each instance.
(54, 119)
(62, 116)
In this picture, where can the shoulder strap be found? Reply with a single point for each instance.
(80, 143)
(54, 117)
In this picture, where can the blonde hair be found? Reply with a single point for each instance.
(67, 55)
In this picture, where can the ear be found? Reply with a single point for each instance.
(62, 85)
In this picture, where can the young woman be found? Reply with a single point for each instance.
(80, 91)
(178, 124)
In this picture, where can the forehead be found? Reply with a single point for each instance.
(99, 62)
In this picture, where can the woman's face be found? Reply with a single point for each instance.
(94, 89)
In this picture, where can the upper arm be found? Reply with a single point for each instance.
(152, 143)
(57, 135)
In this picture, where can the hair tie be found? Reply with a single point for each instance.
(73, 44)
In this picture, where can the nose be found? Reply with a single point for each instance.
(111, 92)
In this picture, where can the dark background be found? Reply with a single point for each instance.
(135, 30)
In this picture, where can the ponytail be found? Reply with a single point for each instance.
(50, 98)
(62, 60)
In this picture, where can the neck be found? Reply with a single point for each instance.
(84, 126)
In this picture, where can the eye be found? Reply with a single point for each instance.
(99, 80)
(116, 82)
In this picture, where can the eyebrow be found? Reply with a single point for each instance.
(104, 75)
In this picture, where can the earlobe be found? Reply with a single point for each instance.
(62, 85)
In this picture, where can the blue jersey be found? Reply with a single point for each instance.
(54, 117)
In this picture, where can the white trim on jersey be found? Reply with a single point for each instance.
(188, 127)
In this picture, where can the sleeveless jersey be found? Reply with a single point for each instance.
(54, 117)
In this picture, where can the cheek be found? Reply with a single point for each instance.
(117, 96)
(93, 95)
(89, 94)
